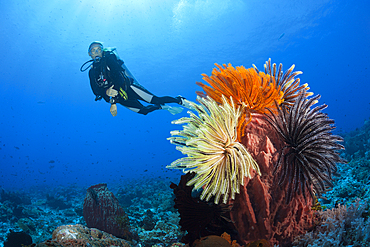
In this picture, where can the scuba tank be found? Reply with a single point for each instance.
(126, 72)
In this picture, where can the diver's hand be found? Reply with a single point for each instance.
(111, 92)
(113, 110)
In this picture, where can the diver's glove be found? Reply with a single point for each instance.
(113, 110)
(111, 92)
(172, 109)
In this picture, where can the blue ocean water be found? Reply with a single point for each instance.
(54, 133)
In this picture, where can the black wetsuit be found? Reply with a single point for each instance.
(108, 71)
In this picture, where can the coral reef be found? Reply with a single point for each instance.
(340, 226)
(357, 142)
(148, 193)
(354, 179)
(37, 218)
(345, 222)
(269, 209)
(14, 199)
(152, 205)
(292, 144)
(56, 203)
(102, 210)
(82, 236)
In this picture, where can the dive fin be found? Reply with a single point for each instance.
(185, 103)
(172, 109)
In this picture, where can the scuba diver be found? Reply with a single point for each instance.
(111, 80)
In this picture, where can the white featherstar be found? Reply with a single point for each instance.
(210, 142)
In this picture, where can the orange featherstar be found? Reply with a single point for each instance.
(254, 90)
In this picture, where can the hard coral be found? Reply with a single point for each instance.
(209, 141)
(82, 236)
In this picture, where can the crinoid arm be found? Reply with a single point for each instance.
(209, 139)
(286, 82)
(253, 90)
(310, 155)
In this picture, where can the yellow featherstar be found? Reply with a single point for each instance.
(210, 142)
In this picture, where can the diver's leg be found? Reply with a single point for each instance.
(152, 99)
(165, 99)
(149, 108)
(141, 94)
(135, 94)
(136, 106)
(178, 100)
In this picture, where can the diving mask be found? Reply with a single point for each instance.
(96, 51)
